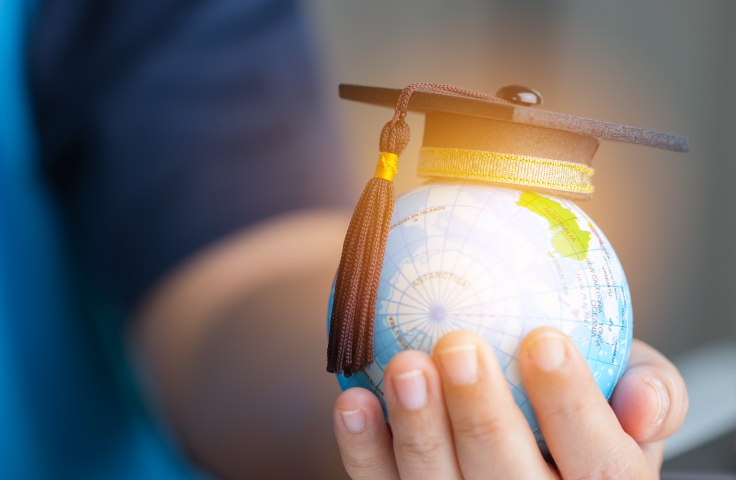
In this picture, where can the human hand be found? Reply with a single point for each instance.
(454, 417)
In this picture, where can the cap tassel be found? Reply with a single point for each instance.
(350, 346)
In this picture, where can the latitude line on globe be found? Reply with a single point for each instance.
(488, 244)
(500, 281)
(470, 229)
(404, 324)
(529, 317)
(472, 225)
(407, 333)
(507, 221)
(423, 301)
(444, 238)
(529, 240)
(382, 299)
(425, 333)
(474, 260)
(461, 250)
(400, 272)
(426, 244)
(433, 328)
(406, 246)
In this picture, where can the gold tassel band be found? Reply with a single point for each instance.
(557, 175)
(388, 166)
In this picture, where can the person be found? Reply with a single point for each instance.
(133, 136)
(170, 183)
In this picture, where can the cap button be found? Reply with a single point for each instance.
(520, 95)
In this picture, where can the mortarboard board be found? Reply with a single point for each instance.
(500, 139)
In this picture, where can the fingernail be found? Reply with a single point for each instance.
(354, 420)
(662, 397)
(411, 388)
(547, 351)
(460, 363)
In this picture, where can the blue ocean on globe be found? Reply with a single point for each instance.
(499, 262)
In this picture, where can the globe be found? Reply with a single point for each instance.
(499, 262)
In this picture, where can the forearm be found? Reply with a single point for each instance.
(235, 345)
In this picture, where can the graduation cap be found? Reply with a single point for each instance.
(503, 139)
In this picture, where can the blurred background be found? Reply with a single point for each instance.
(161, 124)
(667, 65)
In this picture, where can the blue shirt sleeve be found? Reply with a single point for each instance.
(166, 125)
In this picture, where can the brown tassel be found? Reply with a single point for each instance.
(350, 346)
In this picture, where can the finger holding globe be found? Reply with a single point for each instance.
(489, 436)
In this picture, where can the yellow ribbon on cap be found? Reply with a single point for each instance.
(388, 166)
(506, 168)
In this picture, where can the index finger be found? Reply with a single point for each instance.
(580, 429)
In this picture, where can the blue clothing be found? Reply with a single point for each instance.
(162, 126)
(167, 124)
(63, 414)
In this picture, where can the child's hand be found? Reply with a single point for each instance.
(454, 417)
